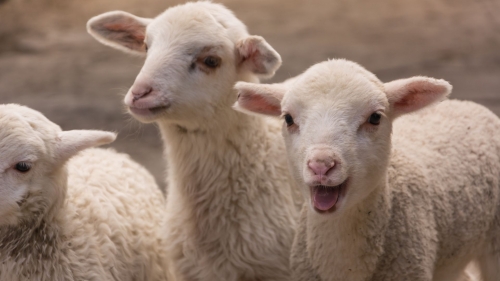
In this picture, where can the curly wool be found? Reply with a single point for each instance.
(230, 210)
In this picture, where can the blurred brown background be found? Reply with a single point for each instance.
(50, 63)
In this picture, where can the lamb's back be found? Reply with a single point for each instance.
(115, 211)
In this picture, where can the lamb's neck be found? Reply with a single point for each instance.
(28, 252)
(215, 152)
(235, 132)
(37, 232)
(353, 235)
(29, 240)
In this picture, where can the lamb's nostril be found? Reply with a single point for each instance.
(321, 168)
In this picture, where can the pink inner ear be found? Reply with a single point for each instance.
(257, 57)
(416, 95)
(250, 54)
(129, 34)
(135, 33)
(259, 104)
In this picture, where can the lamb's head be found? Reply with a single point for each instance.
(194, 54)
(33, 151)
(337, 126)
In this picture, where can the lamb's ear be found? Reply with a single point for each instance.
(259, 98)
(411, 94)
(256, 55)
(120, 30)
(70, 143)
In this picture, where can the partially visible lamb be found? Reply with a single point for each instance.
(231, 211)
(421, 210)
(95, 216)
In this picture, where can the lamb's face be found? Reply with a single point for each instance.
(337, 127)
(190, 66)
(194, 55)
(24, 171)
(33, 151)
(337, 135)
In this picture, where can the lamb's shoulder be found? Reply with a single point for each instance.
(411, 235)
(406, 175)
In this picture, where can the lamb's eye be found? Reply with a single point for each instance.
(375, 118)
(146, 47)
(289, 120)
(211, 61)
(23, 167)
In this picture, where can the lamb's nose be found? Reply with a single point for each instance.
(321, 167)
(140, 91)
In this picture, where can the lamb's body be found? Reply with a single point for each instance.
(111, 197)
(105, 225)
(446, 162)
(420, 209)
(231, 208)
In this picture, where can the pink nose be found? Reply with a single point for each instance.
(321, 167)
(140, 90)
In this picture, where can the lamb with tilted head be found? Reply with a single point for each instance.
(231, 211)
(392, 194)
(72, 213)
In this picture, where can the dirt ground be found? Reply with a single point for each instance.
(50, 63)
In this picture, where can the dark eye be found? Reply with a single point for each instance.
(289, 120)
(375, 118)
(146, 47)
(211, 62)
(23, 167)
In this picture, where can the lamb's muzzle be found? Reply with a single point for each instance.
(325, 178)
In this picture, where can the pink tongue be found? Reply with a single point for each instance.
(325, 198)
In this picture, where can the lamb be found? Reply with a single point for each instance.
(231, 207)
(72, 213)
(419, 206)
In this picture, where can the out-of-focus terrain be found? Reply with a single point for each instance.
(50, 63)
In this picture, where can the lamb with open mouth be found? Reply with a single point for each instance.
(423, 188)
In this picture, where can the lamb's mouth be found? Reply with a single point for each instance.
(325, 199)
(148, 112)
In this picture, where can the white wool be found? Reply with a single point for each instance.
(231, 208)
(96, 216)
(418, 195)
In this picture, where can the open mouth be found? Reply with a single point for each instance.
(325, 199)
